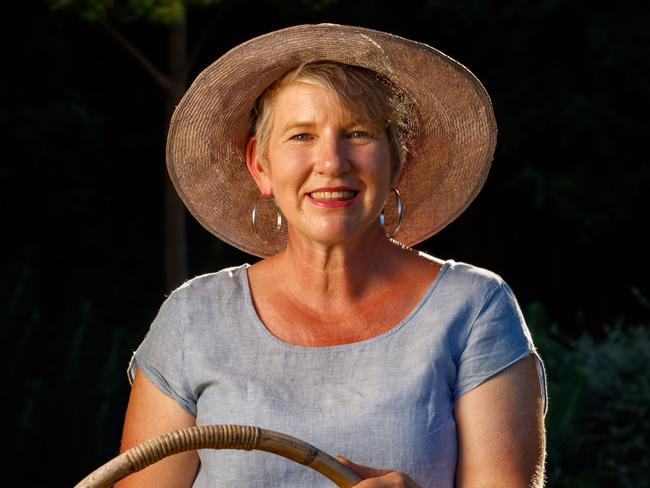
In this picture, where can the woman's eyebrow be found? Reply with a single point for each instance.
(299, 124)
(309, 124)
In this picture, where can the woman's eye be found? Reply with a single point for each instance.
(300, 137)
(360, 134)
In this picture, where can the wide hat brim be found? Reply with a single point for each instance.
(452, 142)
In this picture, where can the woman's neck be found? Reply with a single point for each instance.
(322, 296)
(337, 276)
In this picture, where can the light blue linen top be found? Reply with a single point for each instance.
(384, 402)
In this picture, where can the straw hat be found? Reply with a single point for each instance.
(453, 139)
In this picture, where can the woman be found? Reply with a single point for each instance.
(421, 371)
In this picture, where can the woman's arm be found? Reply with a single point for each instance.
(149, 414)
(501, 437)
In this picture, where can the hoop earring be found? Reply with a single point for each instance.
(400, 213)
(278, 220)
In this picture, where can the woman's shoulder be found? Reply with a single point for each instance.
(474, 274)
(230, 279)
(466, 276)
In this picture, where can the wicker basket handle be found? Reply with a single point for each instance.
(218, 437)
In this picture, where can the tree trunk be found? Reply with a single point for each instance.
(175, 238)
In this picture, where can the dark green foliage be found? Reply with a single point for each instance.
(156, 11)
(598, 428)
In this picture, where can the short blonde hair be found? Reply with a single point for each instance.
(377, 101)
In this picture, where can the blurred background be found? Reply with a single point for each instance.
(93, 242)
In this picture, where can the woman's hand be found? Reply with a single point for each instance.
(375, 477)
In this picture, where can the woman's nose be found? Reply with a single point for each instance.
(332, 157)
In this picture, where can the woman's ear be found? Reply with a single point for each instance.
(397, 170)
(258, 171)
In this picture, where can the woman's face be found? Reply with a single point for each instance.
(329, 171)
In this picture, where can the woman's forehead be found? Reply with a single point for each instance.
(300, 101)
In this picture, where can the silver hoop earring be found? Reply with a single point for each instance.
(400, 213)
(278, 220)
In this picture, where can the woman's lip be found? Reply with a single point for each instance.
(333, 197)
(332, 188)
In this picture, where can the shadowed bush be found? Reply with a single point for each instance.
(599, 393)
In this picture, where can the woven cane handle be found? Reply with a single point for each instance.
(218, 437)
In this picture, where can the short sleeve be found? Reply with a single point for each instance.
(497, 338)
(160, 356)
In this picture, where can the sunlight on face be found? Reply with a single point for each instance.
(366, 94)
(330, 172)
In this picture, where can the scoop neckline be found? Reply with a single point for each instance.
(261, 328)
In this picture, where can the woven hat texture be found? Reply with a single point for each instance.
(452, 143)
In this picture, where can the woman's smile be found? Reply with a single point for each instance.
(333, 197)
